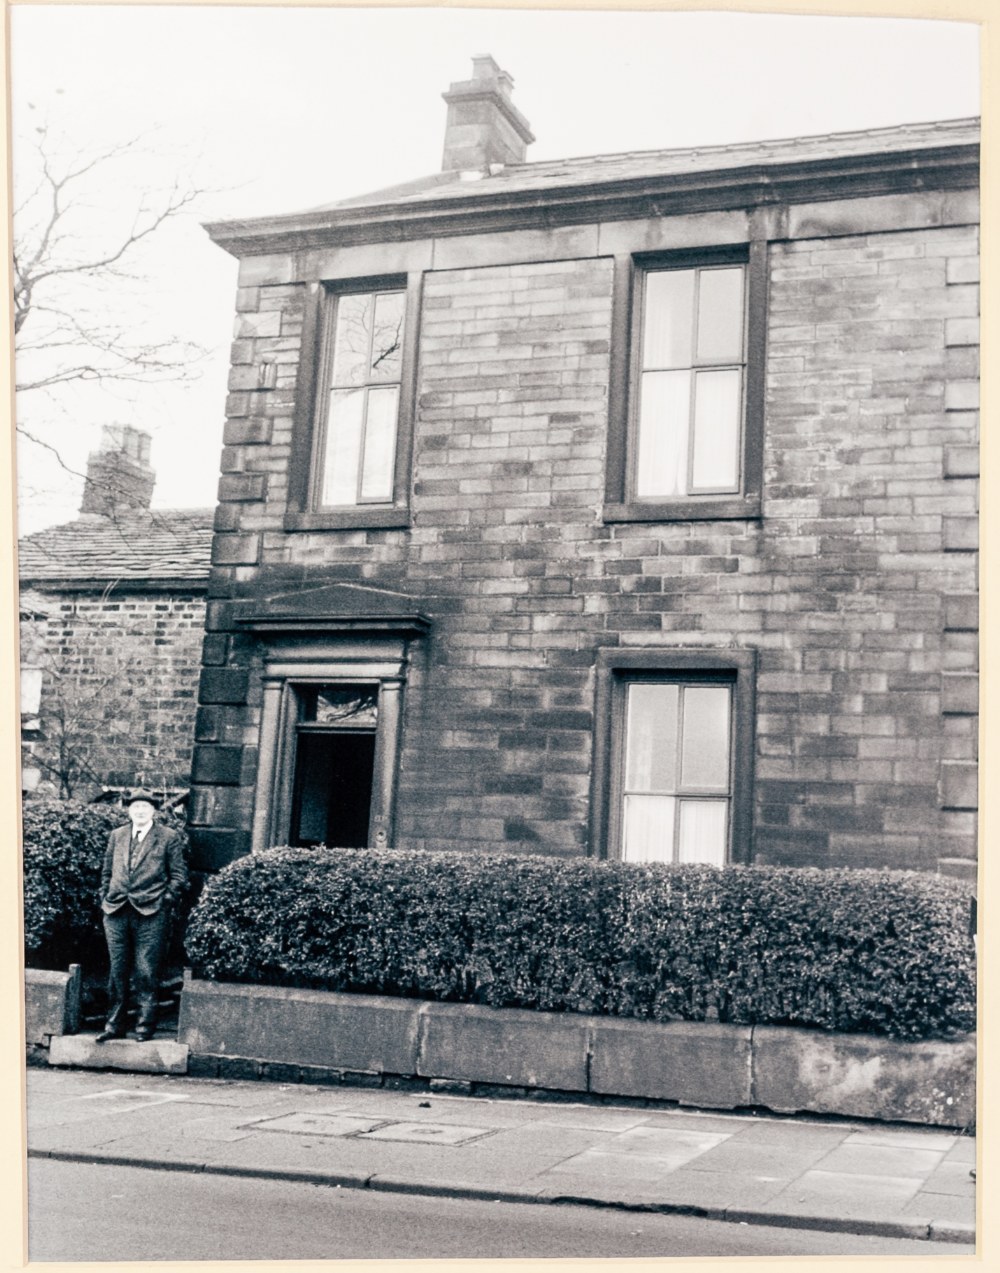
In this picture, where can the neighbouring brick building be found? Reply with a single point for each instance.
(622, 505)
(112, 611)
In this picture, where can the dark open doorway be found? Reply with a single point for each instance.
(332, 794)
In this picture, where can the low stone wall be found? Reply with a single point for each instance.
(51, 1004)
(700, 1064)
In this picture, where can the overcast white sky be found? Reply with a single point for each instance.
(282, 109)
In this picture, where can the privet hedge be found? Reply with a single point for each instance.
(64, 845)
(852, 950)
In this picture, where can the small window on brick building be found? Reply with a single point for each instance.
(686, 429)
(674, 756)
(354, 407)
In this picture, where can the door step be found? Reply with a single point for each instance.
(82, 1051)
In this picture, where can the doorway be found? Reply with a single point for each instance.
(332, 794)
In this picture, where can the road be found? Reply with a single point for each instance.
(84, 1211)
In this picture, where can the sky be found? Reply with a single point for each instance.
(270, 110)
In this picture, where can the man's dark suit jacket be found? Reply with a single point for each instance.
(158, 871)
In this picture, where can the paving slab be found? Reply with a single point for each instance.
(881, 1160)
(843, 1193)
(894, 1138)
(213, 1129)
(788, 1132)
(736, 1155)
(678, 1146)
(942, 1207)
(950, 1178)
(731, 1124)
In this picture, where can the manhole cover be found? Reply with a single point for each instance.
(429, 1133)
(318, 1124)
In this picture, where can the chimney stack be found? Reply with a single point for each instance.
(484, 126)
(119, 477)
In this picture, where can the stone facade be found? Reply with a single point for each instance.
(852, 588)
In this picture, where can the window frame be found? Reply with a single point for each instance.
(312, 407)
(616, 670)
(621, 504)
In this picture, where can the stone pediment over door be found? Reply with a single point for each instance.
(337, 607)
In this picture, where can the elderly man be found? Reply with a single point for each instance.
(143, 875)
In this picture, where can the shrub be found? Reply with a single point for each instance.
(882, 951)
(64, 845)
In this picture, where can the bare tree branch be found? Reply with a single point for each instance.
(73, 232)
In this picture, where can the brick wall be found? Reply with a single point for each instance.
(119, 688)
(856, 587)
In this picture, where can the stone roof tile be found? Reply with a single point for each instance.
(154, 544)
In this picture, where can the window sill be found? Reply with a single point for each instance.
(364, 517)
(704, 509)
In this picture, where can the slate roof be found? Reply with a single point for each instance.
(153, 544)
(598, 169)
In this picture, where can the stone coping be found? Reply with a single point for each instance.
(703, 1064)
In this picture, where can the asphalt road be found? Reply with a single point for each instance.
(83, 1211)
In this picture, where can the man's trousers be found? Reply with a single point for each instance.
(135, 943)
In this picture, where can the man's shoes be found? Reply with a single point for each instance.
(107, 1035)
(143, 1033)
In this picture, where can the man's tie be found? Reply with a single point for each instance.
(133, 844)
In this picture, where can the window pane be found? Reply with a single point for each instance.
(651, 738)
(668, 320)
(352, 340)
(703, 832)
(387, 346)
(705, 747)
(648, 831)
(355, 705)
(343, 447)
(715, 464)
(720, 315)
(661, 462)
(380, 443)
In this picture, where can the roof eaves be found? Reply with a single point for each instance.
(479, 206)
(116, 583)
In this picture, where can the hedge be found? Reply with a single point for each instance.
(849, 950)
(64, 845)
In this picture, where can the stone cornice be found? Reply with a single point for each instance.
(947, 167)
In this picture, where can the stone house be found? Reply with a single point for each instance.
(622, 505)
(112, 613)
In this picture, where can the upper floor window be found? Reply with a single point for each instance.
(354, 406)
(356, 450)
(689, 410)
(687, 402)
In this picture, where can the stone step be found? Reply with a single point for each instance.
(158, 1056)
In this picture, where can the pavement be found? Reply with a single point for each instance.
(886, 1179)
